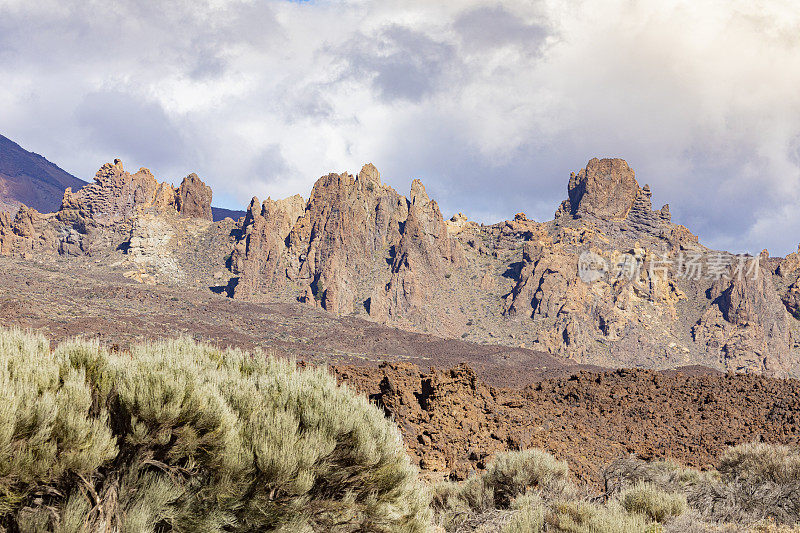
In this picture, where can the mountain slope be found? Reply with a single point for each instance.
(30, 179)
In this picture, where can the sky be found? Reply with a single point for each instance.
(491, 104)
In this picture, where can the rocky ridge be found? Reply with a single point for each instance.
(359, 247)
(610, 281)
(356, 245)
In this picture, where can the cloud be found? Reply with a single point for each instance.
(491, 104)
(493, 26)
(399, 62)
(131, 127)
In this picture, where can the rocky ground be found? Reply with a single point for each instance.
(100, 298)
(453, 422)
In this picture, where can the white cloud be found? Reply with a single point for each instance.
(491, 103)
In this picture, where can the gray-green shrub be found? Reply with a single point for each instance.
(759, 461)
(649, 500)
(509, 476)
(528, 516)
(754, 483)
(588, 517)
(184, 437)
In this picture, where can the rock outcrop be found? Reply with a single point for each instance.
(95, 216)
(358, 247)
(746, 326)
(26, 233)
(193, 198)
(355, 246)
(258, 258)
(605, 189)
(117, 195)
(609, 282)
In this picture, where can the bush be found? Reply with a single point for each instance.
(755, 483)
(516, 484)
(509, 476)
(587, 517)
(529, 515)
(513, 473)
(761, 462)
(647, 499)
(184, 437)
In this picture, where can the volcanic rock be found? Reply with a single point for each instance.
(193, 198)
(98, 215)
(356, 245)
(605, 189)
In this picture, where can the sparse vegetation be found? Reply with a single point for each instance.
(755, 483)
(578, 516)
(755, 489)
(184, 437)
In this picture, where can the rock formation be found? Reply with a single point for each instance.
(193, 198)
(605, 189)
(610, 281)
(359, 247)
(93, 216)
(117, 195)
(355, 246)
(747, 325)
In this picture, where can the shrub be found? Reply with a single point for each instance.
(759, 461)
(647, 499)
(587, 517)
(529, 515)
(510, 476)
(513, 473)
(184, 437)
(755, 482)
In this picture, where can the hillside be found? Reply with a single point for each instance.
(30, 179)
(477, 401)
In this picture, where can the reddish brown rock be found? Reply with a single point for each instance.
(453, 424)
(341, 243)
(259, 259)
(26, 233)
(117, 196)
(98, 216)
(421, 260)
(193, 198)
(356, 241)
(605, 189)
(747, 326)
